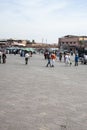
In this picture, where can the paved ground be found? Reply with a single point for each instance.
(34, 97)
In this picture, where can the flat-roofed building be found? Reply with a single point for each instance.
(3, 43)
(71, 42)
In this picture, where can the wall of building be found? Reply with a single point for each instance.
(70, 42)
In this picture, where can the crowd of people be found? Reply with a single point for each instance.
(65, 57)
(50, 56)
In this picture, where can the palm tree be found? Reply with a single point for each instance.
(81, 43)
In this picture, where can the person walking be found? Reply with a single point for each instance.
(49, 60)
(4, 57)
(60, 56)
(26, 58)
(76, 59)
(67, 59)
(0, 56)
(53, 57)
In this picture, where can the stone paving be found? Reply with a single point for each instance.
(35, 97)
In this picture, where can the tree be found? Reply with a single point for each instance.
(81, 43)
(33, 41)
(28, 42)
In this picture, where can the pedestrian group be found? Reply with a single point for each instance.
(51, 57)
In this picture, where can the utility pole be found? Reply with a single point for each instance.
(42, 40)
(46, 41)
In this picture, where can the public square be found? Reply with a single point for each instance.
(36, 97)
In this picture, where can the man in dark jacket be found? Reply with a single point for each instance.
(4, 58)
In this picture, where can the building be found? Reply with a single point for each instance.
(25, 43)
(72, 42)
(20, 44)
(3, 43)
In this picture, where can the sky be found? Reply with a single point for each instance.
(42, 20)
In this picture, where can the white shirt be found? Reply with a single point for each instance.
(0, 53)
(26, 55)
(85, 56)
